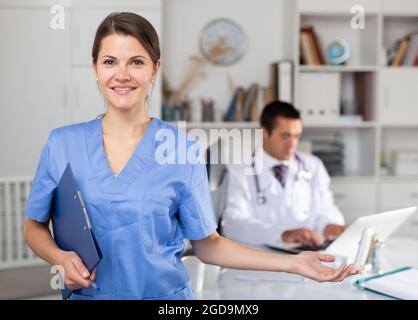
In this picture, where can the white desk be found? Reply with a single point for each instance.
(398, 252)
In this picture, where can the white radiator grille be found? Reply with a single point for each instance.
(14, 252)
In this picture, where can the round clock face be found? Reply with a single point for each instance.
(223, 41)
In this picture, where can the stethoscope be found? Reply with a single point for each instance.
(302, 173)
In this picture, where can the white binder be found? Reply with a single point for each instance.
(401, 283)
(285, 81)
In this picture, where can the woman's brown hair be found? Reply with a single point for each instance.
(130, 24)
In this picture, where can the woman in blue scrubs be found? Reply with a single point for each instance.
(140, 207)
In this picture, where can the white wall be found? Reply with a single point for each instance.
(53, 103)
(47, 75)
(264, 22)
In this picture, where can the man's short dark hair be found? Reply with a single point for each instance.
(277, 109)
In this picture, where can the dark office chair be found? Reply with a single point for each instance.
(217, 175)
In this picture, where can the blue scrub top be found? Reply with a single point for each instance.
(139, 217)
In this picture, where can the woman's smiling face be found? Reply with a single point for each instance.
(125, 71)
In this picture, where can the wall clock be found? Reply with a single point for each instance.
(223, 41)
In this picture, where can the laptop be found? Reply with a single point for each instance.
(346, 245)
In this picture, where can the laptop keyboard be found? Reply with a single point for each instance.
(313, 247)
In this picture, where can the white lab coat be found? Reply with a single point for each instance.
(305, 202)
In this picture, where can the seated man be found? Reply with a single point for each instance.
(289, 199)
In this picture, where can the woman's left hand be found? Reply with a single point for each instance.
(308, 264)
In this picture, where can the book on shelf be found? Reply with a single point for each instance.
(401, 52)
(232, 108)
(248, 103)
(241, 95)
(243, 105)
(267, 96)
(306, 50)
(412, 53)
(310, 47)
(319, 58)
(255, 106)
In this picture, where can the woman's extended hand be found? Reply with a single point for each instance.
(76, 274)
(309, 264)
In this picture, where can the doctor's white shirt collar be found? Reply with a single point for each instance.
(270, 162)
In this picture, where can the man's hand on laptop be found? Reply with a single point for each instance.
(303, 236)
(332, 231)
